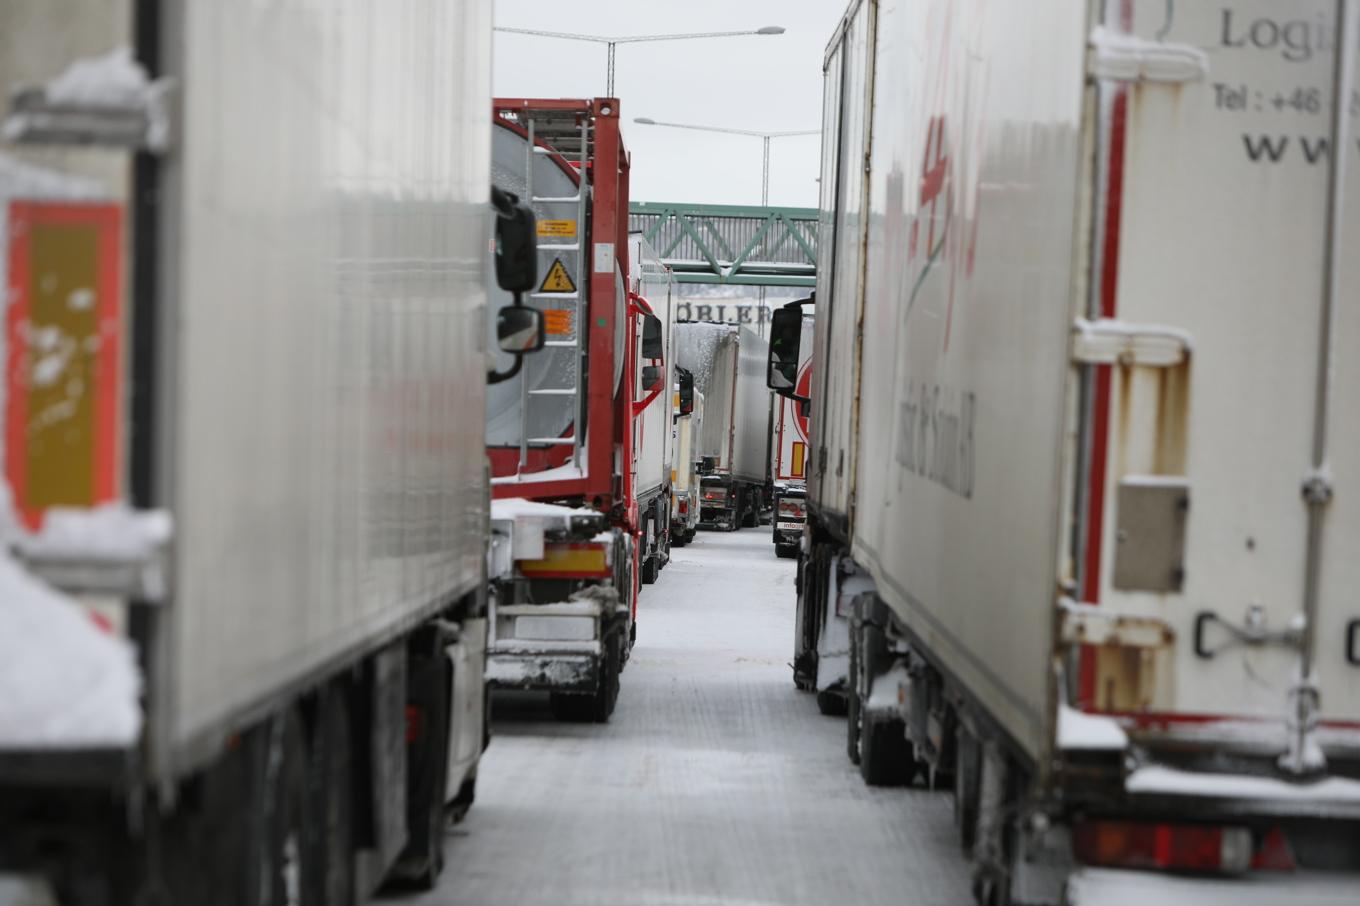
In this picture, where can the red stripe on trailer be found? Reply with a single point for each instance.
(1100, 416)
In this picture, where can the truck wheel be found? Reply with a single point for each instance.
(467, 794)
(966, 765)
(332, 798)
(885, 756)
(785, 551)
(650, 570)
(427, 760)
(853, 713)
(284, 851)
(599, 705)
(832, 700)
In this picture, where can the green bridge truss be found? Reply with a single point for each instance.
(735, 244)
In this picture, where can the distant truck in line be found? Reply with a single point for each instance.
(728, 365)
(684, 461)
(249, 538)
(1084, 486)
(789, 448)
(579, 440)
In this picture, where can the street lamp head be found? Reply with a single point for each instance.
(771, 30)
(644, 120)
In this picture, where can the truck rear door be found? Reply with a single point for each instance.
(1214, 237)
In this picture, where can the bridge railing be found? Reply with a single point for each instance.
(735, 244)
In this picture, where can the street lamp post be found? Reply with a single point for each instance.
(764, 136)
(612, 40)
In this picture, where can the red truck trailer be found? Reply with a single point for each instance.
(567, 430)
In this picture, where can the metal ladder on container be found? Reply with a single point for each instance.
(560, 132)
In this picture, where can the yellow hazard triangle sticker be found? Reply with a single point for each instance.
(558, 280)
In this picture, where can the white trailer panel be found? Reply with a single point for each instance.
(651, 280)
(751, 415)
(840, 272)
(965, 332)
(324, 287)
(1220, 235)
(709, 352)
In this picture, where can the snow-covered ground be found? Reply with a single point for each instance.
(715, 783)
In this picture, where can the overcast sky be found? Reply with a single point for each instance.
(767, 83)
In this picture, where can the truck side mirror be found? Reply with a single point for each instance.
(686, 391)
(516, 244)
(519, 329)
(786, 334)
(653, 347)
(652, 377)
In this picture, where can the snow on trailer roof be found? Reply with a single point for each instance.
(511, 508)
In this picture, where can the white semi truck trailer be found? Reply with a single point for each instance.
(728, 365)
(1084, 482)
(244, 346)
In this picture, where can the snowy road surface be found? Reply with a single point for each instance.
(715, 783)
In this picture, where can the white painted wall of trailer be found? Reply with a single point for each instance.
(840, 238)
(977, 268)
(972, 189)
(652, 431)
(1223, 238)
(328, 226)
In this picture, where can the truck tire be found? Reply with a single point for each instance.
(967, 762)
(283, 852)
(467, 794)
(651, 570)
(785, 551)
(428, 692)
(597, 706)
(332, 798)
(853, 712)
(885, 756)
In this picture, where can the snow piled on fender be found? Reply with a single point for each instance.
(64, 681)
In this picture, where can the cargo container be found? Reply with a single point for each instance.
(1083, 436)
(584, 428)
(728, 365)
(243, 345)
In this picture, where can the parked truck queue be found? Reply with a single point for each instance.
(343, 411)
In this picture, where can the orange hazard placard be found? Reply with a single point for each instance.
(556, 322)
(63, 377)
(558, 280)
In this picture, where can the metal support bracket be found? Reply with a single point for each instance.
(1106, 341)
(1252, 632)
(1127, 58)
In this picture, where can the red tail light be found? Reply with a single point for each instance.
(684, 506)
(1170, 847)
(415, 724)
(1274, 854)
(794, 508)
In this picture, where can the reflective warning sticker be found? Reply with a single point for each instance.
(564, 229)
(558, 280)
(556, 322)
